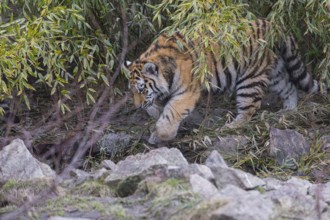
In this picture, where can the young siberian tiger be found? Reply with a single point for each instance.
(164, 74)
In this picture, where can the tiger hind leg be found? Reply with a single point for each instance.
(249, 93)
(281, 85)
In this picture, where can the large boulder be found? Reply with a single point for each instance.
(224, 175)
(16, 162)
(128, 173)
(243, 204)
(287, 145)
(291, 200)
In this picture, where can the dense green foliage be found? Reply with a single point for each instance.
(64, 45)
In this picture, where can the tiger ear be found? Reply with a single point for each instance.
(125, 70)
(127, 63)
(150, 68)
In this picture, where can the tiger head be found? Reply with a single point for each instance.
(142, 83)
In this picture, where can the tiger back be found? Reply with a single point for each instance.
(162, 79)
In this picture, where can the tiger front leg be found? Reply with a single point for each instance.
(177, 108)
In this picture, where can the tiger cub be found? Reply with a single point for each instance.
(164, 73)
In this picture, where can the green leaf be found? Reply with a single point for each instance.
(27, 102)
(105, 80)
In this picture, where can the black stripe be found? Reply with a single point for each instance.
(159, 47)
(170, 83)
(301, 77)
(257, 99)
(275, 82)
(290, 91)
(248, 95)
(228, 78)
(246, 107)
(290, 59)
(264, 25)
(294, 67)
(180, 93)
(140, 61)
(258, 29)
(186, 113)
(251, 48)
(253, 66)
(292, 43)
(177, 89)
(170, 65)
(177, 34)
(153, 85)
(283, 48)
(236, 65)
(249, 76)
(172, 113)
(259, 84)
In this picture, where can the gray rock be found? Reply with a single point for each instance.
(215, 160)
(78, 176)
(287, 146)
(108, 164)
(186, 171)
(272, 183)
(16, 162)
(231, 176)
(100, 174)
(202, 170)
(225, 175)
(203, 187)
(133, 169)
(66, 218)
(229, 145)
(320, 192)
(325, 215)
(243, 205)
(114, 143)
(134, 165)
(293, 203)
(325, 143)
(299, 184)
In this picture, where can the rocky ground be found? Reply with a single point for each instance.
(160, 184)
(273, 143)
(277, 166)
